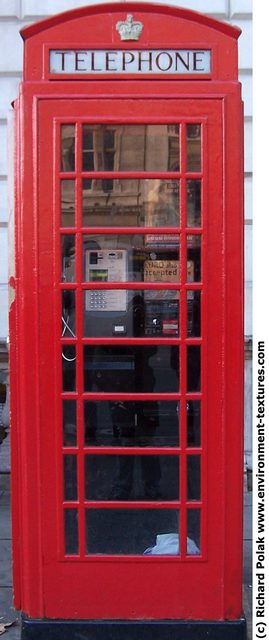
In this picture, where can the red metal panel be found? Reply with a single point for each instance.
(51, 582)
(173, 605)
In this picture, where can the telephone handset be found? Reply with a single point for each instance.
(106, 265)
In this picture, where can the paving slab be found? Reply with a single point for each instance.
(5, 524)
(5, 565)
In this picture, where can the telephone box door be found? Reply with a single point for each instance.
(130, 227)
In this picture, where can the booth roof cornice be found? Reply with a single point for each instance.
(117, 7)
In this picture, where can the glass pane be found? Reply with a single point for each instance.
(69, 423)
(71, 531)
(133, 258)
(67, 203)
(193, 477)
(69, 367)
(130, 203)
(193, 532)
(68, 258)
(68, 313)
(133, 313)
(131, 369)
(193, 147)
(70, 477)
(194, 314)
(193, 203)
(193, 258)
(132, 147)
(68, 147)
(128, 424)
(128, 477)
(193, 423)
(193, 368)
(132, 531)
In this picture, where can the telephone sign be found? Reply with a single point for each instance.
(146, 61)
(127, 405)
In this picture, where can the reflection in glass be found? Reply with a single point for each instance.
(69, 423)
(132, 147)
(134, 369)
(71, 531)
(128, 202)
(193, 203)
(128, 477)
(193, 147)
(132, 531)
(193, 258)
(67, 203)
(68, 258)
(136, 258)
(68, 313)
(69, 367)
(129, 424)
(193, 477)
(193, 368)
(193, 423)
(194, 314)
(70, 477)
(68, 147)
(193, 531)
(133, 313)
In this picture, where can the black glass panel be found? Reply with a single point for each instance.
(69, 367)
(71, 531)
(131, 368)
(70, 477)
(140, 424)
(132, 531)
(193, 423)
(68, 313)
(69, 423)
(194, 314)
(193, 368)
(128, 477)
(193, 532)
(193, 477)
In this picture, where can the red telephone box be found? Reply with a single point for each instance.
(126, 329)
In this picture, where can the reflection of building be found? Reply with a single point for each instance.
(138, 147)
(131, 202)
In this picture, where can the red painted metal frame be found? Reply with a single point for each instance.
(206, 588)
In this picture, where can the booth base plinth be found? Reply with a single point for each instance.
(133, 629)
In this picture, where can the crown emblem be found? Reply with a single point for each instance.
(129, 30)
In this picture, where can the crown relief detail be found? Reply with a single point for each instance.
(129, 30)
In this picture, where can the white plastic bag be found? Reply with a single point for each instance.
(168, 544)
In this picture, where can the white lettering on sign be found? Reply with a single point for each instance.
(178, 61)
